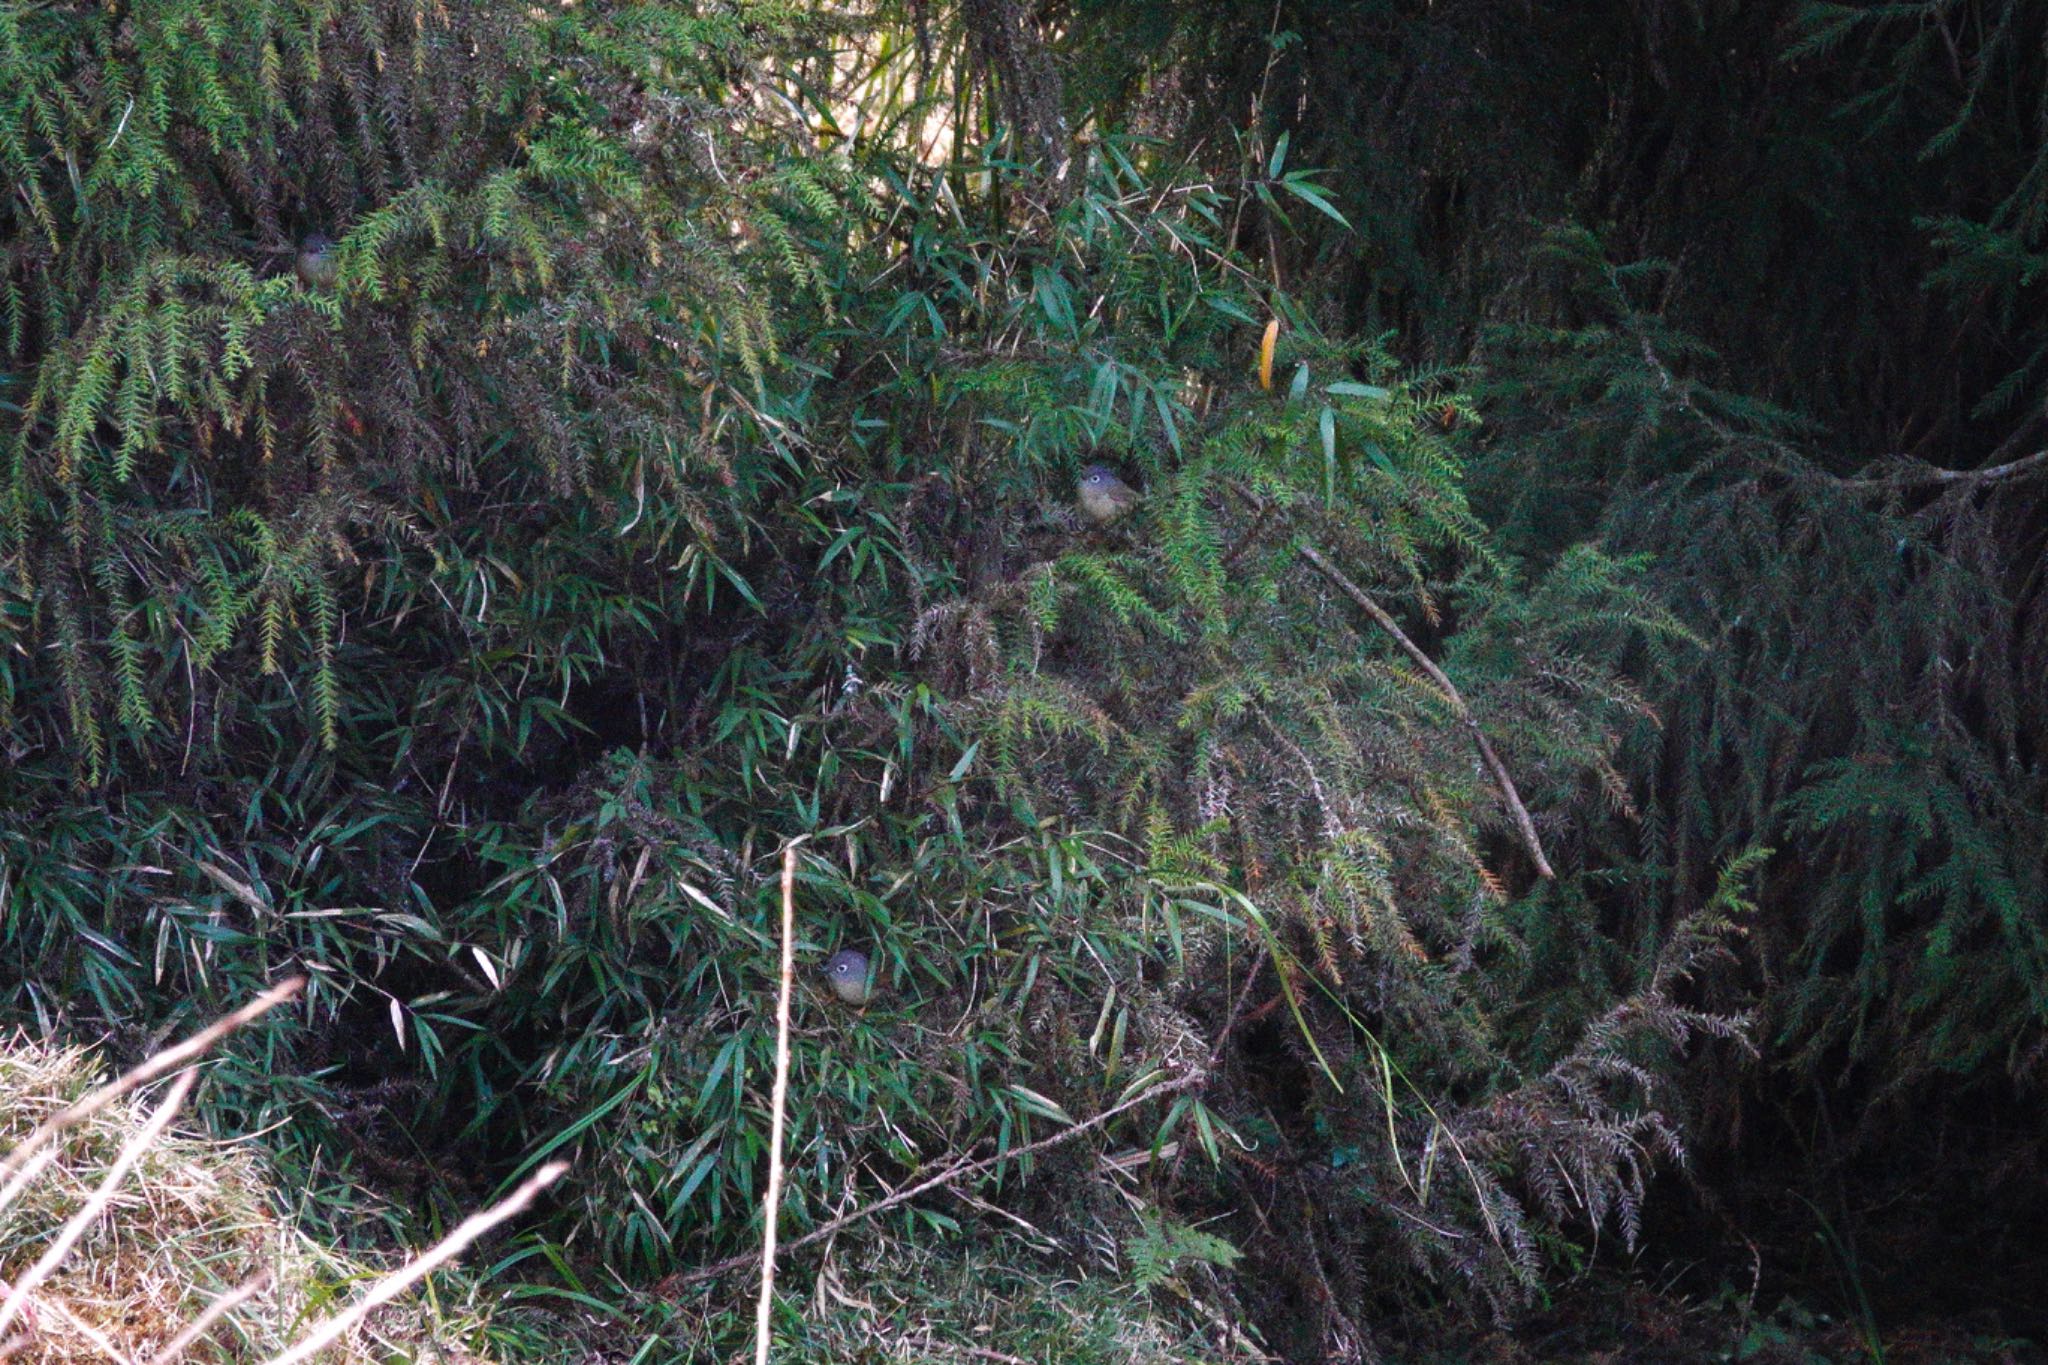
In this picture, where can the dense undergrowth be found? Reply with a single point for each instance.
(681, 464)
(1753, 290)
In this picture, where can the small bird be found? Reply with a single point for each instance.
(1103, 496)
(316, 264)
(847, 970)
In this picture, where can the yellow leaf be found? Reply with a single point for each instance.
(1266, 354)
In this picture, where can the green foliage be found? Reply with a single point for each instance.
(653, 489)
(206, 445)
(1753, 295)
(1298, 790)
(1859, 705)
(1161, 1244)
(305, 585)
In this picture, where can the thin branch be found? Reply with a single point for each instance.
(1249, 538)
(1314, 558)
(1237, 1010)
(953, 1174)
(772, 1203)
(1436, 675)
(1913, 479)
(1681, 391)
(1254, 122)
(396, 1283)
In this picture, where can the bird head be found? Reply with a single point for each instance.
(1103, 496)
(847, 971)
(1101, 478)
(316, 263)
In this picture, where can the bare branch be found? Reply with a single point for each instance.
(1422, 660)
(1681, 391)
(1381, 618)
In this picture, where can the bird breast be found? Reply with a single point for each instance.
(1104, 505)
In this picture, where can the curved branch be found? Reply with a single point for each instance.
(1681, 391)
(1422, 660)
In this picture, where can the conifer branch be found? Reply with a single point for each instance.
(1384, 621)
(1681, 391)
(1487, 753)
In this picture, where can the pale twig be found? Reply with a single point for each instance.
(1386, 622)
(2026, 464)
(170, 1059)
(779, 1101)
(202, 1324)
(101, 1342)
(958, 1171)
(75, 1226)
(402, 1279)
(927, 1345)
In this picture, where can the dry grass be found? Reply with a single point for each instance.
(193, 1220)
